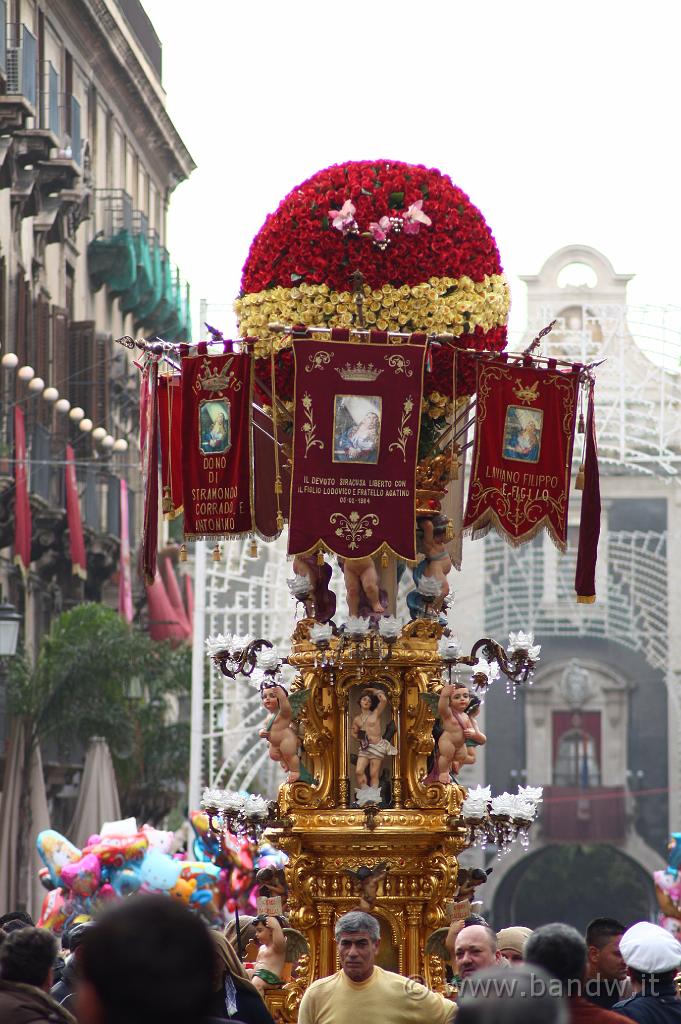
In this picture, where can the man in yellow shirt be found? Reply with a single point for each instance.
(361, 991)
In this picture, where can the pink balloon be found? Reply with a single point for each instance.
(83, 876)
(93, 839)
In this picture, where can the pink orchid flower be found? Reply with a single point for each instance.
(415, 217)
(343, 219)
(380, 229)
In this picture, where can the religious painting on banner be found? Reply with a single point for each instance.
(522, 456)
(356, 433)
(217, 483)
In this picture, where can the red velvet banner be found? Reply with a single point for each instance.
(357, 410)
(216, 445)
(22, 508)
(590, 519)
(149, 450)
(170, 430)
(522, 457)
(73, 520)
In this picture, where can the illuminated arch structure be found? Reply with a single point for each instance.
(622, 645)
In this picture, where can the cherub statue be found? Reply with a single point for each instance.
(367, 880)
(269, 963)
(278, 946)
(271, 881)
(320, 604)
(457, 728)
(367, 729)
(279, 731)
(361, 582)
(436, 565)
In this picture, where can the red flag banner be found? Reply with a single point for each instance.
(522, 456)
(170, 429)
(75, 525)
(22, 507)
(357, 411)
(217, 481)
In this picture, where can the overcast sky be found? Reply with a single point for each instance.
(561, 119)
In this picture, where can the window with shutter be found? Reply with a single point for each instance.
(61, 363)
(20, 318)
(3, 300)
(101, 381)
(43, 360)
(82, 359)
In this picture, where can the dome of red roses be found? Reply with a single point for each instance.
(298, 243)
(428, 260)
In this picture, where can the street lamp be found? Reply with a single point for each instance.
(9, 629)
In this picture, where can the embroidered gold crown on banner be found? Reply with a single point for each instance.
(525, 394)
(359, 371)
(216, 380)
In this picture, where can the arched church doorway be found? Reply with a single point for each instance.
(574, 883)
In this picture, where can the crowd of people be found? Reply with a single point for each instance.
(150, 960)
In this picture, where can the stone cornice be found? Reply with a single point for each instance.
(118, 68)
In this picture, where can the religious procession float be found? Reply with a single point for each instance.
(372, 354)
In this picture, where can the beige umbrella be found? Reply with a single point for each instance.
(23, 806)
(39, 821)
(98, 795)
(9, 817)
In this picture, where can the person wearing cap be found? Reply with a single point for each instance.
(653, 957)
(511, 943)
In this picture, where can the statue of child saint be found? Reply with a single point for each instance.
(367, 728)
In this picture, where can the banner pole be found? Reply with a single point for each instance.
(198, 662)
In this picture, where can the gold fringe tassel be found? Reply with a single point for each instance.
(183, 552)
(253, 548)
(579, 482)
(217, 554)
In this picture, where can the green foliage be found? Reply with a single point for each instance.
(94, 676)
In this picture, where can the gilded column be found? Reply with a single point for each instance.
(343, 779)
(327, 952)
(413, 958)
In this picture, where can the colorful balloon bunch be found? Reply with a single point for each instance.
(239, 860)
(668, 887)
(122, 859)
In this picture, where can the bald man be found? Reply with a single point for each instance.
(475, 948)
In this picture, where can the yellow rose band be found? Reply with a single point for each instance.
(439, 305)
